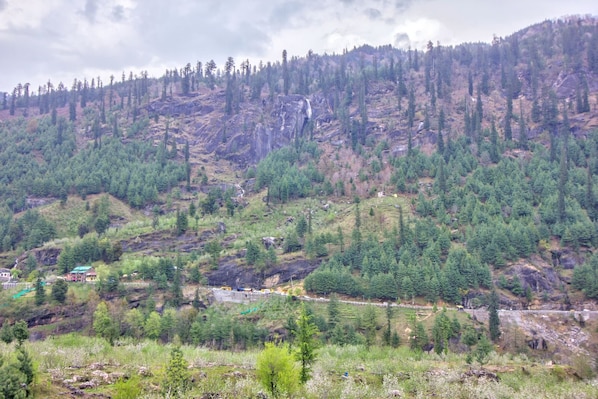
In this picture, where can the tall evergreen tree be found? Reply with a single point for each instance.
(508, 116)
(562, 183)
(411, 108)
(177, 291)
(494, 151)
(470, 83)
(522, 129)
(307, 343)
(40, 292)
(286, 76)
(178, 379)
(493, 320)
(590, 203)
(333, 312)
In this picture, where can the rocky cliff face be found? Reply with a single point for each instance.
(268, 127)
(245, 137)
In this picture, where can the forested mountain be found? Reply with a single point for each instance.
(425, 174)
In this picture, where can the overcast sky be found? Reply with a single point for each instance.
(65, 39)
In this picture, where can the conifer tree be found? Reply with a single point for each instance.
(508, 116)
(493, 320)
(6, 334)
(177, 291)
(59, 290)
(370, 325)
(25, 366)
(285, 74)
(387, 333)
(40, 292)
(470, 83)
(522, 129)
(177, 381)
(494, 152)
(562, 183)
(411, 108)
(196, 301)
(20, 332)
(306, 341)
(590, 203)
(333, 312)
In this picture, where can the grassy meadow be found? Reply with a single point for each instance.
(137, 369)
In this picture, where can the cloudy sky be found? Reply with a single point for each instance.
(65, 39)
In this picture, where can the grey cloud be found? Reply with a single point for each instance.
(373, 13)
(90, 11)
(402, 40)
(282, 15)
(118, 13)
(197, 34)
(3, 4)
(403, 5)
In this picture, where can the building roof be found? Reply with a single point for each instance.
(3, 270)
(81, 269)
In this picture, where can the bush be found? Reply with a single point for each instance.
(127, 389)
(276, 371)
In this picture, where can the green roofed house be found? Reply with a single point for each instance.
(82, 273)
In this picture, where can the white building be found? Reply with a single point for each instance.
(4, 275)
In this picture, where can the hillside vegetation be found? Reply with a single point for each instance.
(449, 176)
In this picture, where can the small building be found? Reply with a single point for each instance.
(82, 274)
(5, 275)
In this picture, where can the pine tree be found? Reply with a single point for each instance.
(387, 333)
(20, 332)
(402, 238)
(370, 325)
(196, 301)
(493, 320)
(178, 378)
(341, 239)
(590, 203)
(25, 366)
(40, 292)
(483, 349)
(419, 338)
(301, 226)
(522, 129)
(411, 108)
(177, 291)
(561, 215)
(285, 74)
(470, 83)
(333, 312)
(182, 222)
(479, 106)
(494, 152)
(441, 176)
(441, 331)
(59, 290)
(6, 334)
(306, 341)
(508, 116)
(253, 253)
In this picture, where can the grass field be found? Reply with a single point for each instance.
(74, 361)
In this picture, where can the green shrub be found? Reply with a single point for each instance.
(127, 389)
